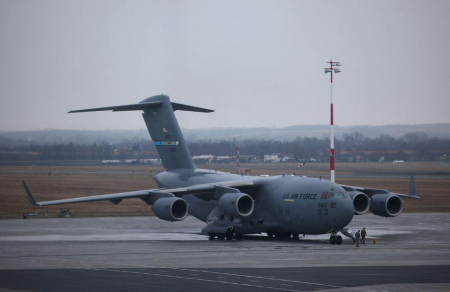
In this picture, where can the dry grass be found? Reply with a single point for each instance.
(77, 181)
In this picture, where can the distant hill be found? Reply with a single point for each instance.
(281, 134)
(319, 131)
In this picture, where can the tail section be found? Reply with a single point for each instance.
(166, 133)
(163, 128)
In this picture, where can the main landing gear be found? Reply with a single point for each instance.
(271, 235)
(335, 239)
(229, 235)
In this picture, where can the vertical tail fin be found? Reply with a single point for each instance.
(163, 128)
(166, 133)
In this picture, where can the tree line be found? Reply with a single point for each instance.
(411, 146)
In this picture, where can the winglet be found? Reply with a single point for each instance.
(30, 196)
(412, 188)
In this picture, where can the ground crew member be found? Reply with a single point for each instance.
(357, 237)
(363, 235)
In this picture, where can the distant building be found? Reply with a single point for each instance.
(151, 161)
(250, 159)
(225, 159)
(204, 158)
(275, 158)
(271, 158)
(111, 162)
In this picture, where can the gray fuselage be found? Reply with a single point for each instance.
(283, 204)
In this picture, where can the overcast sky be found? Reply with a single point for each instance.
(257, 63)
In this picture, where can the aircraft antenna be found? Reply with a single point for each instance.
(332, 70)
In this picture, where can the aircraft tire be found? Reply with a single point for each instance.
(229, 234)
(333, 239)
(295, 235)
(283, 235)
(212, 236)
(221, 236)
(338, 240)
(270, 235)
(238, 236)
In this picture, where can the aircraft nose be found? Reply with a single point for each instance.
(347, 212)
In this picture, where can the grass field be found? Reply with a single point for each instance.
(87, 180)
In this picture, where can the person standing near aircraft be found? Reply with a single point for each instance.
(363, 235)
(357, 237)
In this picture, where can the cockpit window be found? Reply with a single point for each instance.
(340, 195)
(324, 195)
(330, 195)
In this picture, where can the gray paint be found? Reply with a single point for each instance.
(163, 126)
(282, 204)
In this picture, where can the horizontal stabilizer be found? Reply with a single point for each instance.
(123, 108)
(189, 108)
(143, 106)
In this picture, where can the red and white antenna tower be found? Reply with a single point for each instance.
(332, 70)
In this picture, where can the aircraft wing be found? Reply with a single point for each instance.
(412, 194)
(204, 191)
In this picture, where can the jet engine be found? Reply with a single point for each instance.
(236, 204)
(386, 205)
(170, 209)
(361, 203)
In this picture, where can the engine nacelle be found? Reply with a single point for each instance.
(386, 205)
(170, 209)
(361, 202)
(236, 204)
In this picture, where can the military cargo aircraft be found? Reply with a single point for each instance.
(232, 205)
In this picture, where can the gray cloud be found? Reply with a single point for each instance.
(257, 63)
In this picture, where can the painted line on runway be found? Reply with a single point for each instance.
(204, 280)
(211, 272)
(228, 274)
(161, 275)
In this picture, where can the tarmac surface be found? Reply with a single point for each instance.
(412, 253)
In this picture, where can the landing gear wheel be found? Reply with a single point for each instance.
(229, 234)
(212, 236)
(338, 240)
(295, 235)
(221, 236)
(238, 236)
(270, 235)
(333, 239)
(283, 235)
